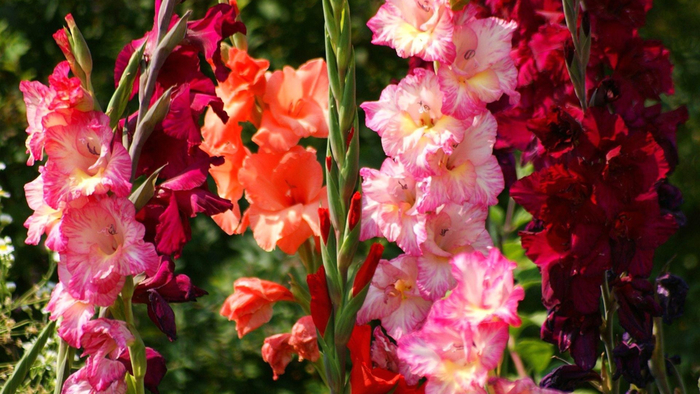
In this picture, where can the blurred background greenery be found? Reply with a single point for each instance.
(208, 357)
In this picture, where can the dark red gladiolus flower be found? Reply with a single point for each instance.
(321, 307)
(155, 368)
(568, 377)
(672, 291)
(632, 361)
(366, 272)
(635, 298)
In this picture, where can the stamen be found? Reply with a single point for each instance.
(469, 54)
(92, 149)
(424, 5)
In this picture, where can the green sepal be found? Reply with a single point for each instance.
(335, 203)
(301, 294)
(332, 65)
(347, 111)
(175, 35)
(156, 113)
(120, 98)
(80, 48)
(458, 5)
(144, 192)
(348, 248)
(346, 322)
(328, 253)
(335, 135)
(349, 171)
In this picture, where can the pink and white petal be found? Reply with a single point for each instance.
(479, 140)
(408, 317)
(495, 36)
(434, 276)
(490, 339)
(103, 373)
(489, 182)
(379, 114)
(376, 306)
(458, 100)
(416, 351)
(74, 313)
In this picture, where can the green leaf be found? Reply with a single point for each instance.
(513, 250)
(25, 363)
(520, 218)
(142, 194)
(537, 354)
(120, 98)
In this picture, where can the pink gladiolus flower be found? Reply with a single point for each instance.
(250, 305)
(484, 290)
(85, 158)
(303, 339)
(75, 314)
(394, 298)
(421, 28)
(284, 191)
(44, 220)
(106, 338)
(470, 172)
(383, 353)
(62, 93)
(98, 376)
(409, 118)
(277, 352)
(104, 242)
(452, 230)
(454, 356)
(389, 206)
(482, 70)
(297, 107)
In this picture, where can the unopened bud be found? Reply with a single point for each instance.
(325, 223)
(329, 163)
(355, 211)
(366, 272)
(349, 139)
(79, 46)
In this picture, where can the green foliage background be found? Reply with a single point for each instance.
(208, 357)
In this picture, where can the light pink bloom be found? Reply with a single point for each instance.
(277, 352)
(389, 206)
(455, 356)
(98, 376)
(469, 173)
(522, 386)
(452, 230)
(106, 338)
(104, 243)
(420, 28)
(394, 298)
(482, 70)
(62, 93)
(44, 220)
(484, 292)
(383, 353)
(85, 158)
(303, 339)
(74, 313)
(409, 119)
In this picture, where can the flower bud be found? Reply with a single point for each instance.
(366, 272)
(355, 211)
(79, 46)
(325, 222)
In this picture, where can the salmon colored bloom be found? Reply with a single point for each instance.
(277, 352)
(244, 85)
(296, 107)
(250, 305)
(303, 339)
(225, 140)
(284, 191)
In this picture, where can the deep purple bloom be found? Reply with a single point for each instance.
(568, 377)
(672, 291)
(632, 361)
(155, 368)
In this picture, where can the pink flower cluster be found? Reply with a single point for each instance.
(80, 202)
(431, 197)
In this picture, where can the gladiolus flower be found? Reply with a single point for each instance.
(421, 28)
(303, 339)
(522, 386)
(482, 70)
(155, 368)
(389, 207)
(74, 313)
(104, 243)
(409, 118)
(297, 107)
(394, 298)
(44, 219)
(85, 159)
(277, 352)
(320, 304)
(250, 305)
(366, 272)
(284, 191)
(106, 338)
(98, 376)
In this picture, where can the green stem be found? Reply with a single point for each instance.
(608, 336)
(137, 350)
(657, 364)
(63, 364)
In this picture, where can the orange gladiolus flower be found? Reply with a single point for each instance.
(250, 305)
(296, 106)
(284, 191)
(244, 85)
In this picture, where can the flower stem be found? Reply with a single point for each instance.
(63, 364)
(608, 336)
(657, 364)
(137, 350)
